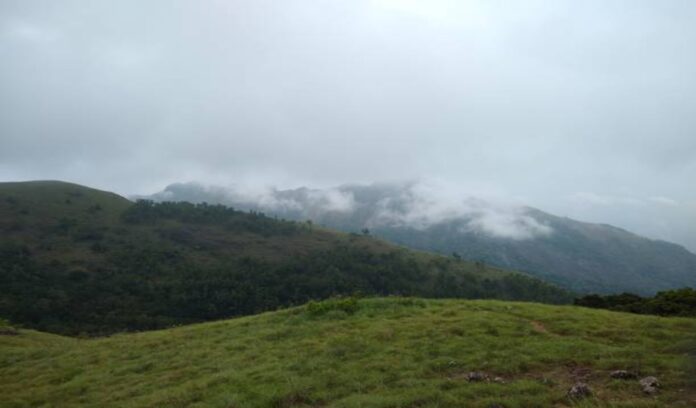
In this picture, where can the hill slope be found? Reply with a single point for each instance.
(397, 352)
(74, 259)
(580, 256)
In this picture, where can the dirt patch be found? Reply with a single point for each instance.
(563, 375)
(538, 327)
(580, 373)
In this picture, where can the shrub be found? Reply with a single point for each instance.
(679, 302)
(347, 305)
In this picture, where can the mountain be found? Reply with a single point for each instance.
(78, 260)
(580, 256)
(382, 352)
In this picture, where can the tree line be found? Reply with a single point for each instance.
(151, 270)
(679, 302)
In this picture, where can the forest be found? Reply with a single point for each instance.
(679, 302)
(166, 264)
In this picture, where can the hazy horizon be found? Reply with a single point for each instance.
(579, 109)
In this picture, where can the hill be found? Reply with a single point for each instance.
(580, 256)
(78, 260)
(395, 352)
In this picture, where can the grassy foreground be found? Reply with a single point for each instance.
(394, 352)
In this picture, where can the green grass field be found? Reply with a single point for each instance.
(382, 352)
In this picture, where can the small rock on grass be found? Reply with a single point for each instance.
(579, 390)
(650, 385)
(476, 376)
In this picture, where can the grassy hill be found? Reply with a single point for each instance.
(381, 352)
(78, 260)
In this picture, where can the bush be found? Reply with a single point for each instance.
(348, 305)
(679, 302)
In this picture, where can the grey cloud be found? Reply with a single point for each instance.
(537, 99)
(416, 204)
(424, 204)
(501, 221)
(306, 201)
(655, 216)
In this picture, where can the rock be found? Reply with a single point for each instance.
(499, 380)
(8, 331)
(649, 385)
(650, 390)
(649, 382)
(579, 390)
(476, 376)
(623, 375)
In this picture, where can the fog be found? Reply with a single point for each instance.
(583, 109)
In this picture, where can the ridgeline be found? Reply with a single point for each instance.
(75, 260)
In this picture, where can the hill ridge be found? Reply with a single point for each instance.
(581, 256)
(76, 260)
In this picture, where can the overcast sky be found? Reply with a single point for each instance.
(581, 108)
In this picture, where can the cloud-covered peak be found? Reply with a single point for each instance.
(423, 205)
(417, 205)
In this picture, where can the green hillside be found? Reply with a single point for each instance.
(382, 352)
(78, 260)
(579, 256)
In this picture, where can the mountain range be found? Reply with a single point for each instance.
(78, 260)
(580, 256)
(350, 318)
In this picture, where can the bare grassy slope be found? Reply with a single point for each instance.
(394, 352)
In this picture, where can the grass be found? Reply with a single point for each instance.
(383, 352)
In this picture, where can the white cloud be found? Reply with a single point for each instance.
(595, 199)
(24, 31)
(663, 201)
(308, 201)
(511, 223)
(589, 198)
(447, 13)
(331, 200)
(424, 204)
(539, 99)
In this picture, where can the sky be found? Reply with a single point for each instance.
(583, 109)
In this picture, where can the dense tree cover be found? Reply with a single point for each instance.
(583, 257)
(680, 302)
(148, 288)
(149, 212)
(77, 267)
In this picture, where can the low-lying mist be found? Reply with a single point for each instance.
(415, 204)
